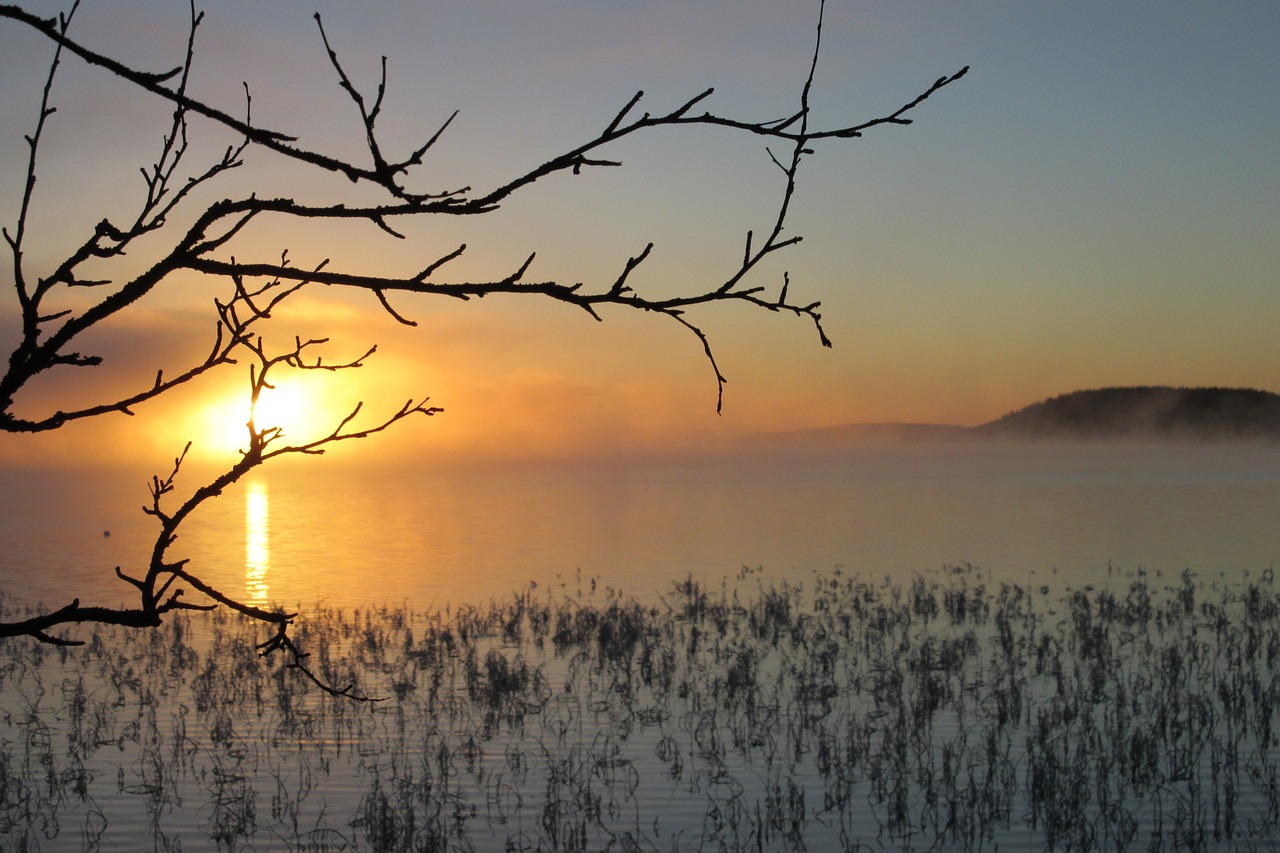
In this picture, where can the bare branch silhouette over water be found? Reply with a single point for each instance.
(94, 285)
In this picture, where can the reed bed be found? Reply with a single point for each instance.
(942, 712)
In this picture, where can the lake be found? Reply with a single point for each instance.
(431, 535)
(909, 647)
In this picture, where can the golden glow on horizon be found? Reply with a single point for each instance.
(221, 430)
(300, 412)
(960, 279)
(290, 408)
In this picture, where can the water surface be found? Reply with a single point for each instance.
(1107, 679)
(431, 535)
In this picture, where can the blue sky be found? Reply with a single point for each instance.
(1095, 204)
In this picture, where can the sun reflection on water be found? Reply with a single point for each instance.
(257, 543)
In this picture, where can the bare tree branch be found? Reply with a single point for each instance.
(44, 347)
(53, 325)
(166, 581)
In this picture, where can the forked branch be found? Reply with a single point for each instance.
(45, 346)
(167, 581)
(94, 284)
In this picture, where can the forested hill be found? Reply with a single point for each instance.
(1146, 412)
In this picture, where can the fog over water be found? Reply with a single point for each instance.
(1031, 513)
(1106, 679)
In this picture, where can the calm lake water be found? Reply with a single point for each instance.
(858, 695)
(325, 532)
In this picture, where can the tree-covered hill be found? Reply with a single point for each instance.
(1146, 412)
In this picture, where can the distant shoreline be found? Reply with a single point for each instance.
(1145, 414)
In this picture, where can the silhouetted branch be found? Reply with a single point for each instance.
(52, 327)
(264, 443)
(222, 221)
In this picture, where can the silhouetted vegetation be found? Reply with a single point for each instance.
(944, 712)
(1155, 413)
(1147, 412)
(69, 289)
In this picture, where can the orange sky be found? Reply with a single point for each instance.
(1094, 205)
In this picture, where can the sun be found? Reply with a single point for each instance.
(301, 413)
(286, 406)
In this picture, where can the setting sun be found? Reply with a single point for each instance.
(301, 409)
(646, 426)
(288, 407)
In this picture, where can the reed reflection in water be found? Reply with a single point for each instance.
(950, 712)
(257, 543)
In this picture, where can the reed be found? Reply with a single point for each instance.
(945, 711)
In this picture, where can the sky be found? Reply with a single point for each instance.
(1095, 204)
